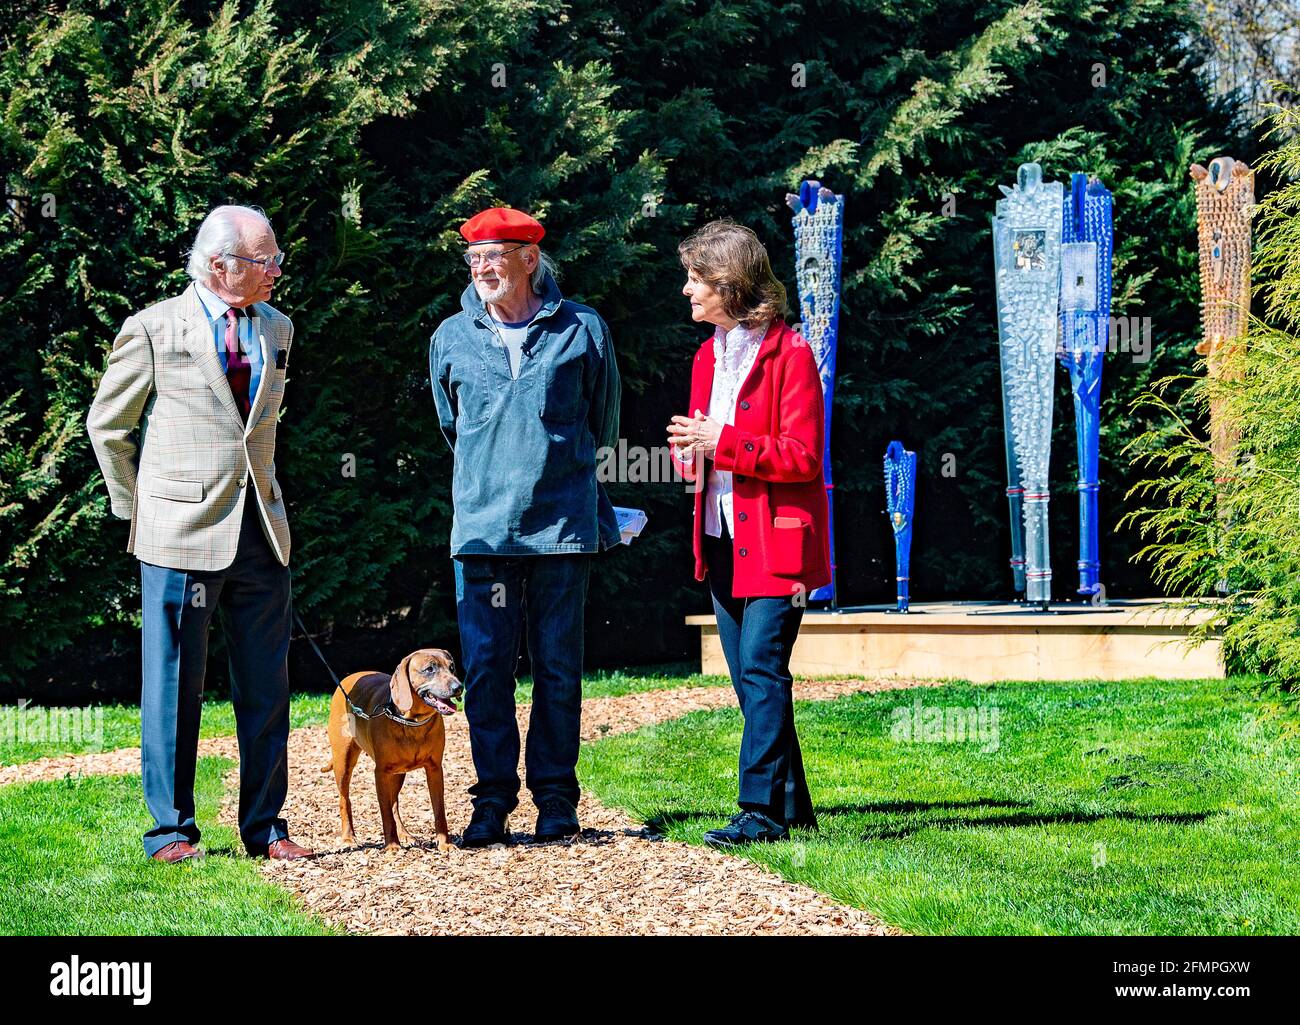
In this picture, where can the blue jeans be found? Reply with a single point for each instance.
(757, 636)
(177, 608)
(499, 601)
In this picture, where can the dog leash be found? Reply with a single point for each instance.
(385, 711)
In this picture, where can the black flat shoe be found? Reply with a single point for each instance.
(746, 827)
(557, 819)
(489, 824)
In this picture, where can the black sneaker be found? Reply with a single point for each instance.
(746, 827)
(557, 819)
(489, 824)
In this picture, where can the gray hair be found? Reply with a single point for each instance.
(545, 266)
(220, 232)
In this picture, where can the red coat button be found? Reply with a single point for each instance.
(744, 405)
(749, 446)
(744, 552)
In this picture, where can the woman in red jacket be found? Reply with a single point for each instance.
(754, 448)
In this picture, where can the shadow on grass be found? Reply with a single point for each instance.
(900, 807)
(225, 850)
(1036, 819)
(663, 821)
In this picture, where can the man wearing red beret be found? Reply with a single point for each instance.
(527, 391)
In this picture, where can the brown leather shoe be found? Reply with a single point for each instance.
(285, 849)
(177, 850)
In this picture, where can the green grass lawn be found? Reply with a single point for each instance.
(1142, 807)
(121, 728)
(1135, 807)
(72, 864)
(70, 852)
(615, 683)
(121, 723)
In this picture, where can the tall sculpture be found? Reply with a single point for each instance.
(900, 501)
(818, 253)
(1086, 247)
(1026, 258)
(1225, 196)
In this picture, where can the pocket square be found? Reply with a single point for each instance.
(281, 359)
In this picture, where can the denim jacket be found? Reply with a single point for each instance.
(524, 449)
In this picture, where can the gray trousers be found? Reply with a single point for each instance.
(177, 606)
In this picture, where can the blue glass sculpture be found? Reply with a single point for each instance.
(1087, 242)
(900, 501)
(818, 252)
(1026, 260)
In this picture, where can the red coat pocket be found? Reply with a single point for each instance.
(791, 540)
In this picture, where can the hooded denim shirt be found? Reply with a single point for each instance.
(524, 449)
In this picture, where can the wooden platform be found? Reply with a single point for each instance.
(988, 641)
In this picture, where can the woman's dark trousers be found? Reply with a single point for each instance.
(758, 636)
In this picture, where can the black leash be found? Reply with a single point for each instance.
(385, 711)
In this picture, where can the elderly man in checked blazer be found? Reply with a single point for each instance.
(183, 426)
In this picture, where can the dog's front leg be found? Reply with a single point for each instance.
(344, 762)
(433, 774)
(402, 835)
(386, 788)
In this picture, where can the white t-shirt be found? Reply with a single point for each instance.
(513, 335)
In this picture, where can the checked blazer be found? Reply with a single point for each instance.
(184, 482)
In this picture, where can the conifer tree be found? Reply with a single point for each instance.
(369, 131)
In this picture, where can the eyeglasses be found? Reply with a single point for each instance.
(277, 260)
(494, 257)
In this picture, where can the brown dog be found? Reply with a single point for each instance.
(423, 690)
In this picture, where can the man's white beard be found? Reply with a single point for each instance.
(491, 295)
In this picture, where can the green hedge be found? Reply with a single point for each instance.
(368, 131)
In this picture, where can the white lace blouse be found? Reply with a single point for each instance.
(734, 352)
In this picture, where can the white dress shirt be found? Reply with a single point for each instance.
(734, 353)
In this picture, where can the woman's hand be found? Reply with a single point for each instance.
(690, 435)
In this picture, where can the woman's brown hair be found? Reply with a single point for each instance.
(730, 259)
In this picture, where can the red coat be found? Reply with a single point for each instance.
(774, 451)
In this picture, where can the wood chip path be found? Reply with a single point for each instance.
(616, 878)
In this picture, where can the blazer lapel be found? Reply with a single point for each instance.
(702, 390)
(772, 340)
(766, 348)
(268, 340)
(202, 347)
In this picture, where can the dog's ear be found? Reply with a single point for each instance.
(399, 686)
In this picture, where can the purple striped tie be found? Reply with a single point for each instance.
(238, 370)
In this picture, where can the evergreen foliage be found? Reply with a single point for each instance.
(369, 130)
(1206, 525)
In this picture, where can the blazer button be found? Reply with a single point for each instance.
(744, 405)
(749, 446)
(743, 517)
(241, 482)
(740, 478)
(744, 552)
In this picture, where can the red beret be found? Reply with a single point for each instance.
(502, 224)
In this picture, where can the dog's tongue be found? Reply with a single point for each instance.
(445, 707)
